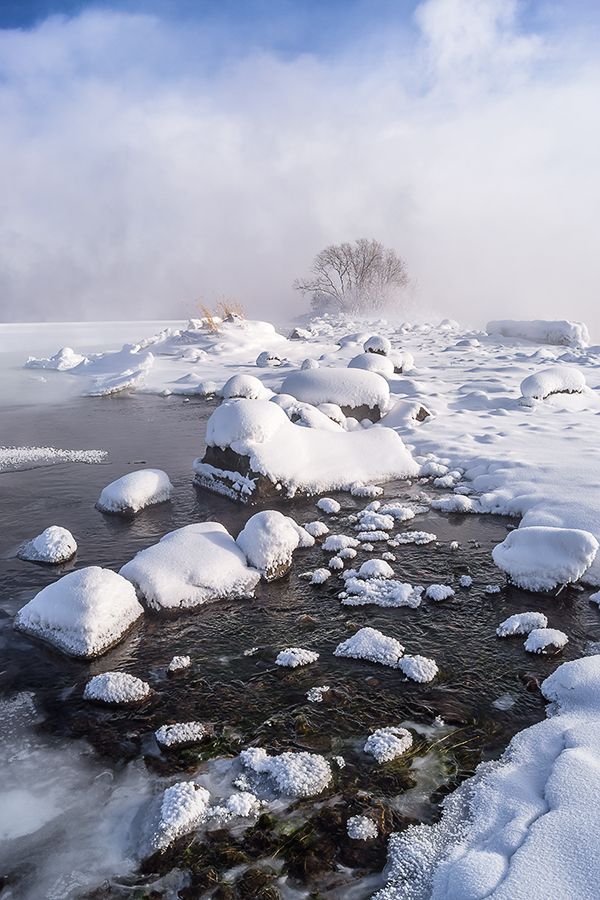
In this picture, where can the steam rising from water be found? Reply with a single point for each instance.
(145, 163)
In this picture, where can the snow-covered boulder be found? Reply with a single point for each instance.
(438, 592)
(542, 331)
(319, 576)
(373, 362)
(268, 360)
(294, 774)
(371, 645)
(182, 808)
(418, 668)
(179, 664)
(385, 744)
(405, 414)
(134, 491)
(333, 543)
(292, 657)
(358, 393)
(53, 546)
(375, 568)
(116, 689)
(328, 505)
(268, 540)
(540, 558)
(545, 640)
(316, 529)
(247, 386)
(385, 592)
(84, 613)
(521, 623)
(361, 828)
(554, 380)
(181, 734)
(193, 565)
(377, 344)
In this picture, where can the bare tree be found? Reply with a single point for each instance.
(363, 276)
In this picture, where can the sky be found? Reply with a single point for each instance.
(156, 155)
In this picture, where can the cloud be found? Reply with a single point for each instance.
(144, 164)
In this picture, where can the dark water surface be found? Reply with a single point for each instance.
(245, 697)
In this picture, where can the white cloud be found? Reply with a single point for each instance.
(136, 173)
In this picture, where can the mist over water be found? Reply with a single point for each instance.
(147, 162)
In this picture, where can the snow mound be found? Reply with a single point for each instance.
(397, 511)
(106, 385)
(361, 828)
(193, 565)
(521, 623)
(328, 505)
(294, 774)
(371, 645)
(180, 734)
(414, 537)
(62, 361)
(316, 529)
(315, 694)
(268, 540)
(53, 546)
(29, 457)
(336, 542)
(374, 521)
(377, 344)
(545, 640)
(320, 576)
(116, 689)
(268, 360)
(375, 568)
(238, 423)
(367, 537)
(554, 380)
(465, 581)
(134, 491)
(384, 592)
(438, 592)
(418, 668)
(454, 503)
(539, 558)
(246, 386)
(83, 614)
(386, 744)
(373, 362)
(349, 388)
(183, 807)
(560, 332)
(179, 663)
(295, 656)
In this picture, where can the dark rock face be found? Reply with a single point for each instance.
(231, 475)
(363, 412)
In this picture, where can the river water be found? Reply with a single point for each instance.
(74, 776)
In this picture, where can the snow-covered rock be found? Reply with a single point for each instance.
(181, 734)
(438, 592)
(83, 614)
(374, 521)
(316, 529)
(247, 386)
(414, 537)
(62, 361)
(182, 809)
(375, 568)
(377, 344)
(397, 511)
(294, 774)
(320, 576)
(361, 828)
(371, 645)
(328, 505)
(268, 360)
(193, 565)
(315, 694)
(465, 581)
(541, 331)
(554, 380)
(295, 656)
(268, 540)
(116, 689)
(539, 558)
(373, 362)
(53, 546)
(333, 543)
(545, 640)
(521, 623)
(134, 491)
(179, 664)
(385, 592)
(385, 744)
(418, 668)
(348, 388)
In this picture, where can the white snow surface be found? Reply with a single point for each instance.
(554, 380)
(84, 613)
(135, 491)
(521, 623)
(268, 540)
(373, 362)
(385, 744)
(344, 387)
(247, 386)
(116, 688)
(294, 774)
(328, 505)
(540, 558)
(193, 565)
(316, 529)
(439, 592)
(385, 592)
(542, 331)
(62, 361)
(371, 645)
(418, 668)
(295, 656)
(361, 828)
(183, 807)
(180, 733)
(540, 639)
(375, 568)
(514, 831)
(30, 457)
(54, 545)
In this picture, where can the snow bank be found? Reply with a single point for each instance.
(371, 645)
(181, 734)
(116, 689)
(193, 565)
(514, 831)
(62, 361)
(554, 380)
(134, 491)
(521, 623)
(361, 828)
(560, 332)
(295, 774)
(540, 558)
(53, 546)
(83, 614)
(183, 807)
(545, 640)
(386, 744)
(349, 388)
(292, 657)
(106, 385)
(268, 540)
